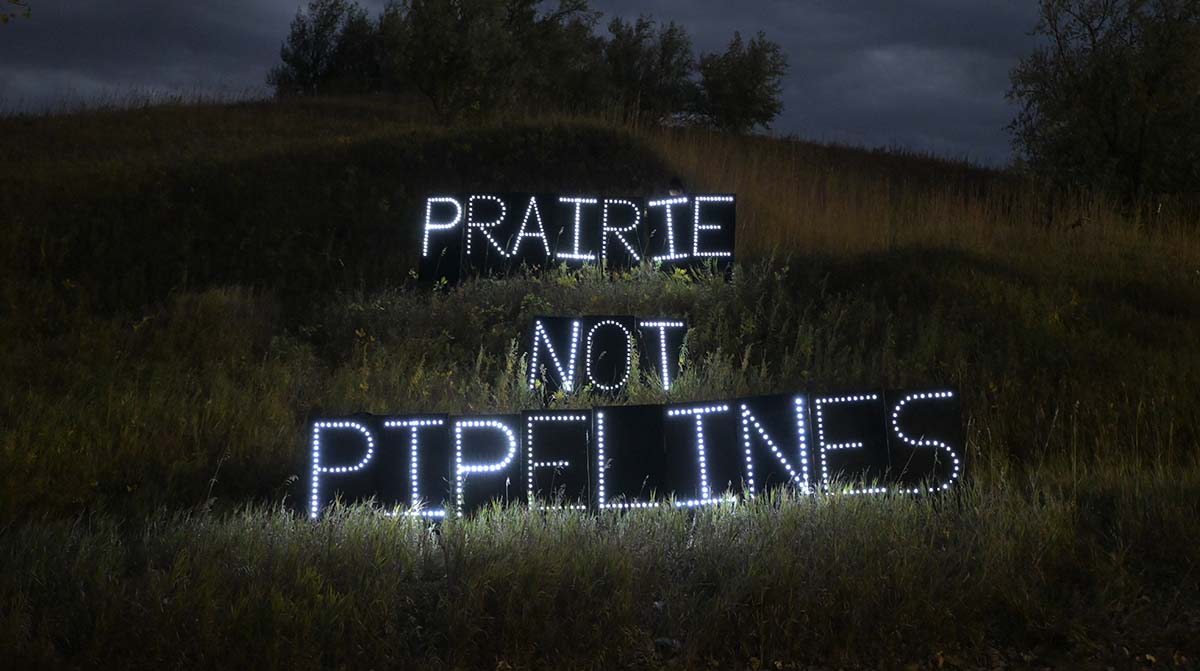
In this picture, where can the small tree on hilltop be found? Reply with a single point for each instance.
(330, 48)
(474, 56)
(561, 59)
(356, 54)
(650, 71)
(1111, 99)
(741, 89)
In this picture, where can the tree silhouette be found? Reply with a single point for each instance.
(650, 70)
(476, 57)
(741, 88)
(1111, 99)
(327, 50)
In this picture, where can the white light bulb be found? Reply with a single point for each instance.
(431, 226)
(664, 359)
(529, 449)
(628, 355)
(414, 426)
(577, 255)
(318, 469)
(667, 204)
(567, 373)
(617, 231)
(825, 447)
(956, 470)
(483, 226)
(701, 458)
(540, 233)
(461, 468)
(697, 226)
(799, 478)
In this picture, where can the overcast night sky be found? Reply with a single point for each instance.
(924, 74)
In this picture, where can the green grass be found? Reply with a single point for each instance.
(185, 287)
(1015, 570)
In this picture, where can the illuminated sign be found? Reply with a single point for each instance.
(495, 234)
(487, 461)
(618, 457)
(597, 352)
(558, 453)
(398, 460)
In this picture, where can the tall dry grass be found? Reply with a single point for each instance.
(798, 197)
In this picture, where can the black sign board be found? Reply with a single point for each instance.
(416, 449)
(487, 461)
(774, 433)
(850, 444)
(558, 458)
(600, 352)
(925, 438)
(703, 470)
(632, 466)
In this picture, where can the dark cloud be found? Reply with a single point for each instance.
(115, 48)
(925, 74)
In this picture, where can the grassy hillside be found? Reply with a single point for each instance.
(184, 287)
(126, 207)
